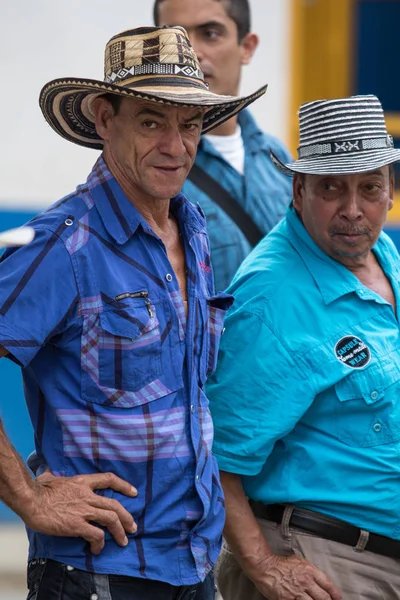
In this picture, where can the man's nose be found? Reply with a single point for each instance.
(351, 206)
(171, 142)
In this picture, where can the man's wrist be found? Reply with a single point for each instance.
(263, 574)
(255, 566)
(23, 499)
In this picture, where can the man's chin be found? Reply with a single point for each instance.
(166, 192)
(350, 252)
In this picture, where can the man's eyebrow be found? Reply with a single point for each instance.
(210, 24)
(376, 172)
(151, 112)
(195, 117)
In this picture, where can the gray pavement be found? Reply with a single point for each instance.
(13, 555)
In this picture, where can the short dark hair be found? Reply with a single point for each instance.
(115, 101)
(237, 10)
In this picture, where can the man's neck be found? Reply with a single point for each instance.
(155, 211)
(363, 266)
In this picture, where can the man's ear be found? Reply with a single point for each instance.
(248, 46)
(103, 116)
(298, 192)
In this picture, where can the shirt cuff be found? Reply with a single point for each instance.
(239, 465)
(18, 344)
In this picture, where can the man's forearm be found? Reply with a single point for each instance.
(242, 531)
(15, 482)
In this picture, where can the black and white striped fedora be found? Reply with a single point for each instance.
(341, 136)
(149, 63)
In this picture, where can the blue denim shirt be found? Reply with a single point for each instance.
(263, 192)
(305, 399)
(114, 373)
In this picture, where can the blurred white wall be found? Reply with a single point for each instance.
(47, 39)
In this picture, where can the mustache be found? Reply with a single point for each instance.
(349, 231)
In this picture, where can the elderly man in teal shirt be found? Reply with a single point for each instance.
(306, 396)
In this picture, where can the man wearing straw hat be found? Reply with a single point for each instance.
(111, 314)
(305, 398)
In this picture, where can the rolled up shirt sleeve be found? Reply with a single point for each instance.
(257, 394)
(37, 291)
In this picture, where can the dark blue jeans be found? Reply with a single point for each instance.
(50, 580)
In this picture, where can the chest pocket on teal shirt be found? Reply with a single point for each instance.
(368, 408)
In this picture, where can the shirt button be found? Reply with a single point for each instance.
(197, 478)
(377, 427)
(374, 395)
(192, 408)
(168, 277)
(94, 597)
(69, 568)
(68, 222)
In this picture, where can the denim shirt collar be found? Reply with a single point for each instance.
(120, 217)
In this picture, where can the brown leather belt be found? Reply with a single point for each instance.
(326, 527)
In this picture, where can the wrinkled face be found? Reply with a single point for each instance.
(214, 37)
(344, 214)
(150, 147)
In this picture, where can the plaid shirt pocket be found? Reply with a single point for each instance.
(121, 356)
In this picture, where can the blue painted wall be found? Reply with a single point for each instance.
(376, 43)
(13, 410)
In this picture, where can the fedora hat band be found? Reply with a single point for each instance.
(184, 70)
(345, 146)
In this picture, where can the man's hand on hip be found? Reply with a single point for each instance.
(293, 578)
(69, 506)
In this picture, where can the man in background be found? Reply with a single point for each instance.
(234, 180)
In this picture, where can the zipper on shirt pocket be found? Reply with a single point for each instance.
(142, 294)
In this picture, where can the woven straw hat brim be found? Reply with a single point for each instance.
(348, 164)
(66, 105)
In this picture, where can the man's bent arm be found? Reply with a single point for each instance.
(276, 577)
(63, 506)
(16, 485)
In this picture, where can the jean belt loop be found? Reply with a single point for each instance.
(102, 586)
(362, 541)
(287, 515)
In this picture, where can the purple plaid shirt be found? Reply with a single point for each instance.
(114, 374)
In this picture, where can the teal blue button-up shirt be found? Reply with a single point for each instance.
(306, 396)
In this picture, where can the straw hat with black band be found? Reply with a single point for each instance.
(149, 63)
(341, 136)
